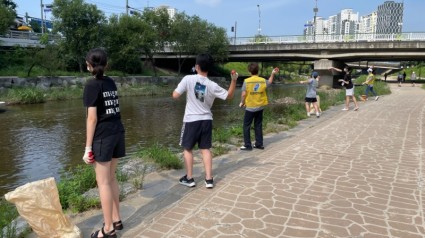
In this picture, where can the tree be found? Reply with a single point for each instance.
(81, 25)
(124, 39)
(10, 5)
(47, 58)
(7, 17)
(192, 35)
(158, 34)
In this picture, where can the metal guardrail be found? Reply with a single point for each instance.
(412, 36)
(27, 35)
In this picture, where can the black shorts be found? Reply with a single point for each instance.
(310, 99)
(110, 147)
(196, 132)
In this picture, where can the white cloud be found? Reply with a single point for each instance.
(210, 3)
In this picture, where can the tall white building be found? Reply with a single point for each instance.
(347, 22)
(390, 17)
(367, 23)
(387, 19)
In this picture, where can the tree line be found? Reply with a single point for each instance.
(125, 37)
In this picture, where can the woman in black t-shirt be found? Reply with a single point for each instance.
(349, 87)
(104, 139)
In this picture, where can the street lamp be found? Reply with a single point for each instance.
(259, 19)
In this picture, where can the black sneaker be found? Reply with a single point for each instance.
(187, 182)
(209, 183)
(246, 148)
(259, 147)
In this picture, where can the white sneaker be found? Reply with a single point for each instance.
(345, 109)
(376, 98)
(308, 114)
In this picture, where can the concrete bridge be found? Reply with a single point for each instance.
(326, 51)
(323, 50)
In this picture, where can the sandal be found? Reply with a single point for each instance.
(110, 234)
(117, 225)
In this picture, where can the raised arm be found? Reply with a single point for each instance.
(336, 69)
(274, 71)
(232, 86)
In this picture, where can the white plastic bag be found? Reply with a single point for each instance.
(38, 203)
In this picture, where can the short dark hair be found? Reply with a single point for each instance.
(98, 59)
(253, 68)
(348, 68)
(205, 62)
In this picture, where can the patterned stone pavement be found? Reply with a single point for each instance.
(347, 174)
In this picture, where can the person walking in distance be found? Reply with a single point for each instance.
(254, 99)
(104, 139)
(369, 85)
(413, 78)
(311, 94)
(399, 79)
(349, 87)
(197, 120)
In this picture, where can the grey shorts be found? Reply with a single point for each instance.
(110, 147)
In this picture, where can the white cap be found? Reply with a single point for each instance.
(369, 70)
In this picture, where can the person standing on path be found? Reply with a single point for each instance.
(413, 78)
(197, 120)
(369, 85)
(399, 79)
(104, 139)
(404, 76)
(349, 88)
(254, 99)
(311, 94)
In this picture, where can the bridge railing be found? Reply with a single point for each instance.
(27, 35)
(326, 38)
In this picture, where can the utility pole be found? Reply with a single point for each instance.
(126, 6)
(42, 20)
(259, 19)
(315, 10)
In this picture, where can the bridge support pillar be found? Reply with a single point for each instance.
(327, 77)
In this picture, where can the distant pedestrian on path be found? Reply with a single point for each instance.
(197, 121)
(254, 99)
(385, 77)
(311, 94)
(369, 85)
(399, 78)
(404, 76)
(349, 88)
(413, 78)
(105, 141)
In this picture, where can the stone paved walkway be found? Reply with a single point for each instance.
(347, 174)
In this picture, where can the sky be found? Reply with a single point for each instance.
(273, 17)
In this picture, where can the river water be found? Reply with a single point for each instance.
(40, 140)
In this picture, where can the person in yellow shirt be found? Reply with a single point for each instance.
(254, 99)
(369, 84)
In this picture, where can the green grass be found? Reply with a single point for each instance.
(27, 95)
(8, 213)
(162, 156)
(75, 182)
